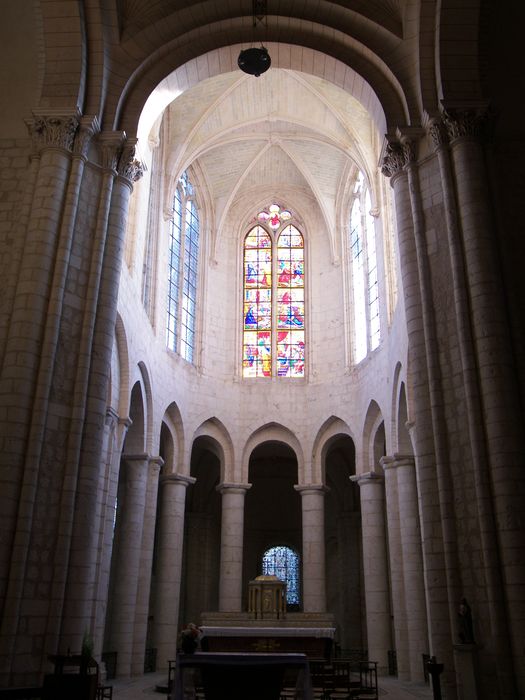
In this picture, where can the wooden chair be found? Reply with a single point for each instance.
(343, 685)
(319, 674)
(367, 681)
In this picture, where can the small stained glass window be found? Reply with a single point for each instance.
(273, 301)
(283, 562)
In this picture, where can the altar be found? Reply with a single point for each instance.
(311, 634)
(238, 676)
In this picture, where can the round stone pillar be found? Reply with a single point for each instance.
(375, 568)
(126, 564)
(168, 579)
(397, 583)
(140, 636)
(314, 581)
(410, 532)
(232, 534)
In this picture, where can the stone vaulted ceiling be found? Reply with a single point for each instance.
(283, 131)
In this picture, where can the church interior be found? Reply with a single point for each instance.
(262, 334)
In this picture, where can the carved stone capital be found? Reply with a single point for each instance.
(110, 146)
(53, 131)
(393, 159)
(89, 126)
(129, 167)
(409, 150)
(466, 121)
(438, 133)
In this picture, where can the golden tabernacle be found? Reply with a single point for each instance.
(267, 598)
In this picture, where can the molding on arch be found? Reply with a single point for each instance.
(148, 405)
(271, 432)
(172, 419)
(331, 430)
(374, 418)
(221, 445)
(122, 350)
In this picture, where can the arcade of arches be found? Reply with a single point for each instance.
(241, 313)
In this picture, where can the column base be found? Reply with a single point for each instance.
(466, 661)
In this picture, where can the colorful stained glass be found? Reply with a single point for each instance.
(283, 562)
(263, 311)
(290, 303)
(257, 309)
(257, 354)
(274, 217)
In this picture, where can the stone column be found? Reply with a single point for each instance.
(375, 569)
(416, 612)
(314, 565)
(499, 463)
(169, 565)
(232, 535)
(127, 558)
(395, 551)
(431, 445)
(116, 429)
(146, 560)
(24, 395)
(86, 430)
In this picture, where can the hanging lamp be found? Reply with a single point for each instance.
(256, 60)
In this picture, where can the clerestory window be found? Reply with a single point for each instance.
(363, 266)
(273, 294)
(183, 258)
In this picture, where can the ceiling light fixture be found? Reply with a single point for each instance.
(256, 61)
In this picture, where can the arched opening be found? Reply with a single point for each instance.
(273, 509)
(344, 581)
(202, 532)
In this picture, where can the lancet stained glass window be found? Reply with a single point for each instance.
(283, 562)
(273, 303)
(183, 259)
(363, 264)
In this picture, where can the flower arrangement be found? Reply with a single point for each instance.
(190, 638)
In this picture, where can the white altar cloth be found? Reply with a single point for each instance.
(256, 631)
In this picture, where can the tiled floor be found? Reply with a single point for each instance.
(143, 688)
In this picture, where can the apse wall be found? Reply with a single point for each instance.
(213, 386)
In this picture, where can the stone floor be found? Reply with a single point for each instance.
(143, 688)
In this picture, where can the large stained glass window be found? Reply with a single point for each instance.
(283, 562)
(273, 308)
(363, 265)
(183, 259)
